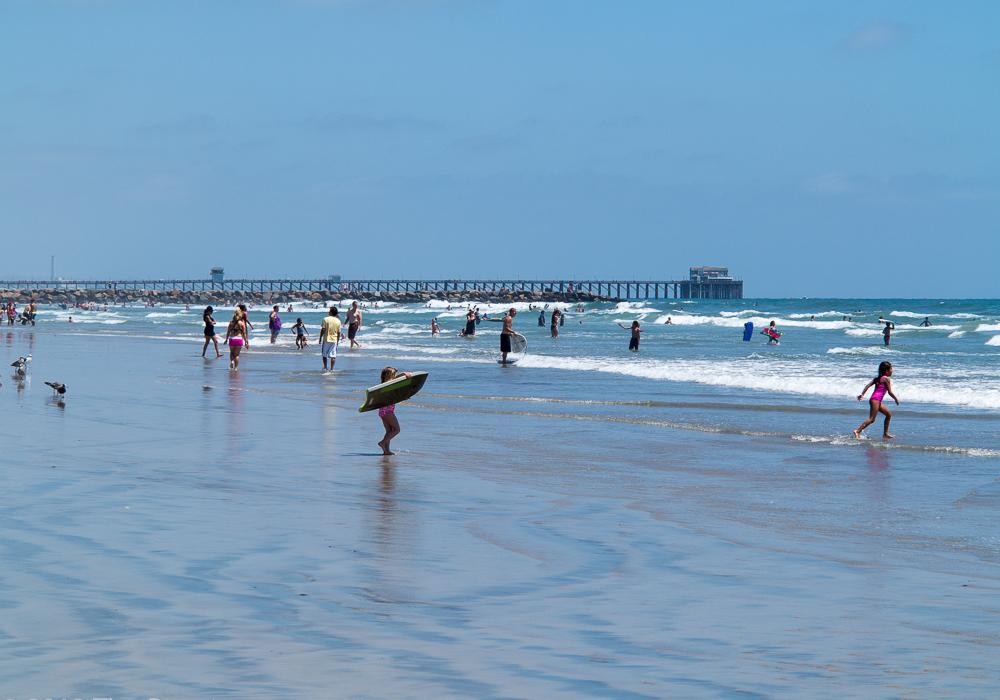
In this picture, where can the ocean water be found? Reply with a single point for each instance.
(696, 371)
(693, 520)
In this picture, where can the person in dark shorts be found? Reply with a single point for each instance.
(506, 333)
(633, 343)
(353, 324)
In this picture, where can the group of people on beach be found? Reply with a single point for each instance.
(331, 332)
(27, 315)
(238, 332)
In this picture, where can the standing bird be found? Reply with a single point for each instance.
(57, 388)
(20, 365)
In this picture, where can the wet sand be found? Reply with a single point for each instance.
(176, 531)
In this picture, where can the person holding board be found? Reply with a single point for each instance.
(506, 333)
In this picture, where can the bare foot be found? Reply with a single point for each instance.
(857, 434)
(887, 436)
(218, 355)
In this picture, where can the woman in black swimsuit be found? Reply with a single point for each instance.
(210, 331)
(470, 324)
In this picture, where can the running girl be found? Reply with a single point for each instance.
(883, 386)
(388, 413)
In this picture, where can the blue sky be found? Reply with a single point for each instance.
(820, 149)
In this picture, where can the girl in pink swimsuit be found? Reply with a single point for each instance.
(388, 413)
(883, 386)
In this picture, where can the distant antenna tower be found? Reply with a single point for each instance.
(52, 268)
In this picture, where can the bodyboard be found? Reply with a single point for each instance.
(392, 391)
(518, 343)
(747, 331)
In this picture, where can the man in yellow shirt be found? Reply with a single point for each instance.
(329, 337)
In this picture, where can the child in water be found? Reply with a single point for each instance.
(300, 334)
(883, 386)
(633, 343)
(388, 413)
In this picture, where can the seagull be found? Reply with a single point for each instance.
(59, 389)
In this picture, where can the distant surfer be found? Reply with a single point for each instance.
(274, 324)
(435, 330)
(506, 333)
(772, 333)
(388, 413)
(210, 334)
(668, 322)
(883, 386)
(329, 338)
(887, 331)
(927, 322)
(555, 317)
(541, 318)
(353, 324)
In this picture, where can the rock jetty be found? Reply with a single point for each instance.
(230, 297)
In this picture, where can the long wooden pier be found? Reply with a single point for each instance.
(616, 289)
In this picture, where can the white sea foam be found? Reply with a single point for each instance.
(988, 328)
(821, 314)
(813, 379)
(868, 351)
(744, 312)
(956, 334)
(920, 314)
(995, 340)
(737, 322)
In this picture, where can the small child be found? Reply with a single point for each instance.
(300, 334)
(633, 343)
(883, 386)
(388, 413)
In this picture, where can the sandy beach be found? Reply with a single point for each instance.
(175, 530)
